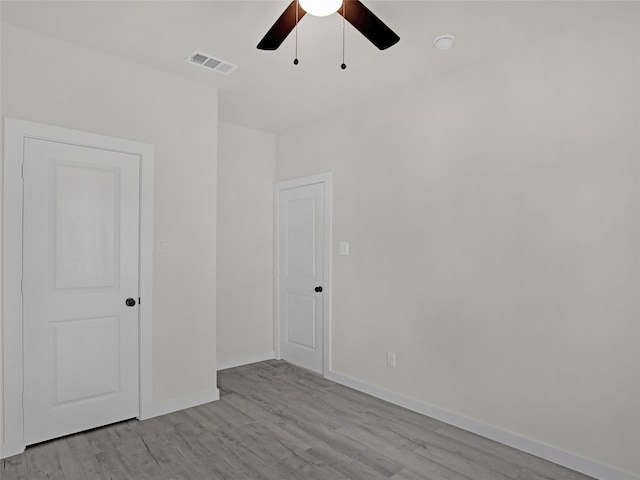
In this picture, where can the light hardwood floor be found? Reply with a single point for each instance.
(276, 421)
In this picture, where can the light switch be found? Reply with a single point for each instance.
(343, 248)
(391, 360)
(162, 246)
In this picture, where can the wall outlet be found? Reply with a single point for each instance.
(162, 246)
(391, 360)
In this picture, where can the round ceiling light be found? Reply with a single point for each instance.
(444, 42)
(320, 8)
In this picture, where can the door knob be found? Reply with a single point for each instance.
(130, 302)
(318, 289)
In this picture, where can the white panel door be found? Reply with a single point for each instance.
(300, 275)
(81, 224)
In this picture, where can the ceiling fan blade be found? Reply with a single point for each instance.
(368, 24)
(281, 29)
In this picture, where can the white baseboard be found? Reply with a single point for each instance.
(6, 452)
(528, 445)
(238, 362)
(181, 403)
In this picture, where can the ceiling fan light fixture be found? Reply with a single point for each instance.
(320, 8)
(356, 13)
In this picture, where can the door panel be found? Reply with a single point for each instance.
(98, 375)
(301, 258)
(301, 320)
(86, 226)
(81, 224)
(300, 236)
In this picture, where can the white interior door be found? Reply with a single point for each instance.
(301, 239)
(80, 265)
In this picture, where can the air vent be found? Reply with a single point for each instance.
(212, 63)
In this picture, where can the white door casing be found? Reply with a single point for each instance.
(302, 271)
(80, 238)
(18, 134)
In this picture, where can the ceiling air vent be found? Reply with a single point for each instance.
(212, 63)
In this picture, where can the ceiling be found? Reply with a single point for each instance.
(267, 91)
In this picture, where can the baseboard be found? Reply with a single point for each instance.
(181, 403)
(528, 445)
(6, 452)
(238, 362)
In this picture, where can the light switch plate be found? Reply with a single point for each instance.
(391, 359)
(343, 248)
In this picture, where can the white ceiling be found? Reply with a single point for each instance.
(267, 91)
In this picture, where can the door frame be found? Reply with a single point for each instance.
(327, 180)
(15, 133)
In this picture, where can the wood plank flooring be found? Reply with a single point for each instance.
(278, 422)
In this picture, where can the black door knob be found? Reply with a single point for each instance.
(130, 302)
(318, 289)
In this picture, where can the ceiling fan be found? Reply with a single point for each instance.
(353, 11)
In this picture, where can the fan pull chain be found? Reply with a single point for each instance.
(344, 20)
(295, 60)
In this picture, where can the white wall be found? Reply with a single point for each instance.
(246, 170)
(493, 220)
(49, 81)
